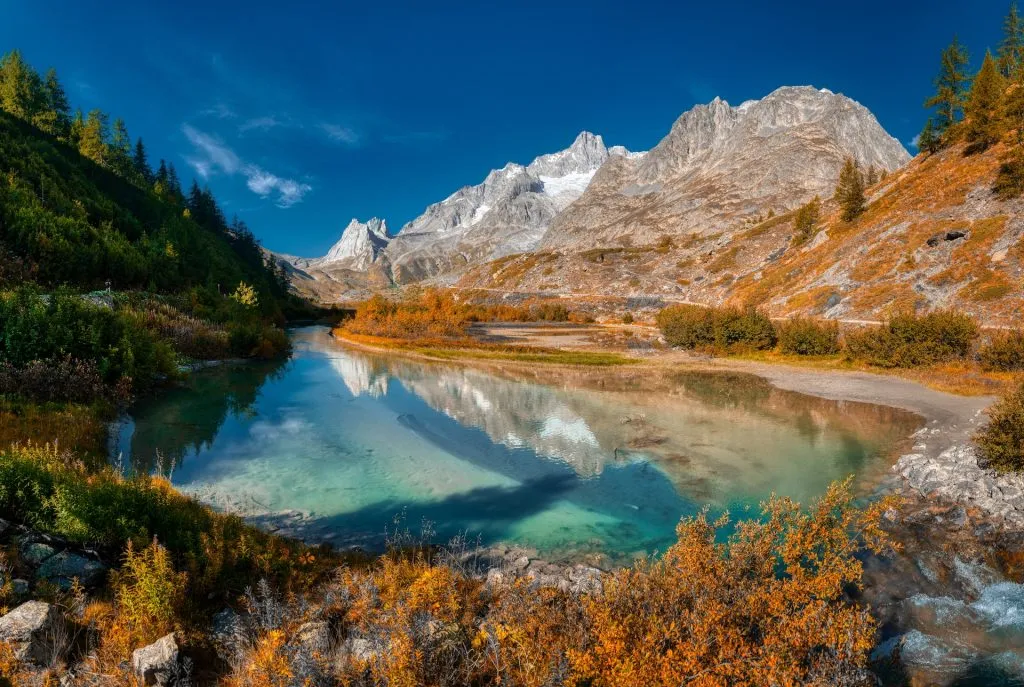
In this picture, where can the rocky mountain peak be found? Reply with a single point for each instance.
(359, 244)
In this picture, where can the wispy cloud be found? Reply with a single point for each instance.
(915, 142)
(212, 155)
(220, 111)
(259, 124)
(341, 134)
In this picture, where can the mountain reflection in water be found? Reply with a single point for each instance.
(565, 460)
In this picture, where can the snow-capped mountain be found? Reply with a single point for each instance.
(508, 212)
(718, 168)
(721, 163)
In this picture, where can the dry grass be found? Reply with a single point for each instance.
(471, 349)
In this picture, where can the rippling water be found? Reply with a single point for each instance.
(567, 462)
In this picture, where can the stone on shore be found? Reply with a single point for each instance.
(32, 631)
(157, 664)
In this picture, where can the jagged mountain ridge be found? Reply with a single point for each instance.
(718, 169)
(508, 213)
(357, 249)
(720, 164)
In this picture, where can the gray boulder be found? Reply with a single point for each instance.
(33, 631)
(65, 567)
(34, 552)
(158, 663)
(229, 634)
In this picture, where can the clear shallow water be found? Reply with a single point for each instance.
(567, 462)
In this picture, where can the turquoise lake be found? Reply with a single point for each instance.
(570, 462)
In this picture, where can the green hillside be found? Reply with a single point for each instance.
(112, 277)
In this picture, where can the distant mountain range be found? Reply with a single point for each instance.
(719, 169)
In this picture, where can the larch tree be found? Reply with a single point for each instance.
(77, 128)
(984, 123)
(950, 88)
(19, 86)
(805, 224)
(850, 191)
(95, 134)
(1011, 50)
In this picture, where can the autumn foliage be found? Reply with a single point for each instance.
(438, 313)
(766, 604)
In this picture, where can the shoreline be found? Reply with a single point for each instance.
(955, 416)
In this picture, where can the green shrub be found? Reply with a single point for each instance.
(52, 492)
(1004, 351)
(66, 325)
(1001, 441)
(687, 326)
(693, 326)
(805, 336)
(909, 340)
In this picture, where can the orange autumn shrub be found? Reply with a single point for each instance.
(433, 313)
(529, 634)
(422, 615)
(766, 607)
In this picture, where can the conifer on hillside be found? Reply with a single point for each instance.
(1011, 50)
(984, 124)
(850, 191)
(950, 90)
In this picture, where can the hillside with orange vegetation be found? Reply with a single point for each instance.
(933, 236)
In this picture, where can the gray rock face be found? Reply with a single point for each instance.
(358, 247)
(157, 664)
(721, 163)
(956, 475)
(718, 167)
(31, 629)
(508, 213)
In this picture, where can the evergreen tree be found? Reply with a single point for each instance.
(161, 173)
(173, 185)
(76, 130)
(929, 141)
(120, 152)
(58, 112)
(872, 176)
(984, 118)
(20, 89)
(805, 224)
(1011, 50)
(95, 134)
(141, 164)
(850, 191)
(950, 88)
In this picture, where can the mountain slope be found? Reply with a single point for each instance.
(934, 236)
(720, 164)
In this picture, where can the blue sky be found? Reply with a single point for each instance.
(304, 115)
